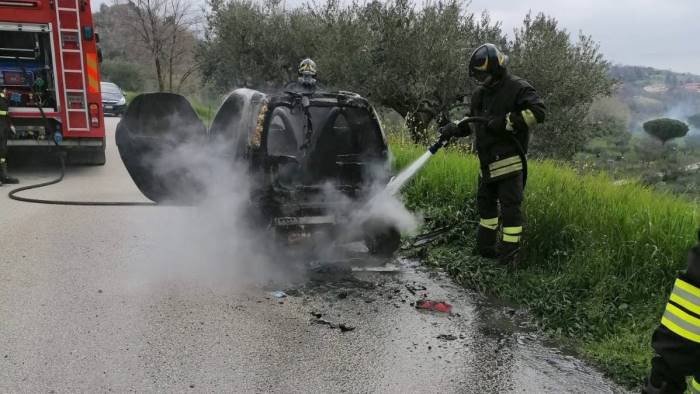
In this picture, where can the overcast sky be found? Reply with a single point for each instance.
(658, 33)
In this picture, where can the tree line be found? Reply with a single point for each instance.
(409, 58)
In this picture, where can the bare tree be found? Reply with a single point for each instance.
(165, 29)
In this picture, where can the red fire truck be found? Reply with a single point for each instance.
(49, 70)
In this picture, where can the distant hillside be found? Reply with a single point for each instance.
(644, 76)
(651, 93)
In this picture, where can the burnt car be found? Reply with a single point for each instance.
(312, 160)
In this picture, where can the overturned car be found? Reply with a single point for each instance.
(312, 160)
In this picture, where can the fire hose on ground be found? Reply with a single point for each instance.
(61, 154)
(62, 159)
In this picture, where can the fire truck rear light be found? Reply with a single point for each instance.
(94, 115)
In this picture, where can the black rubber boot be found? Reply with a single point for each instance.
(486, 242)
(509, 254)
(4, 178)
(649, 388)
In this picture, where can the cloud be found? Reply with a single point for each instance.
(639, 32)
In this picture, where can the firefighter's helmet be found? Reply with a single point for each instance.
(307, 67)
(487, 61)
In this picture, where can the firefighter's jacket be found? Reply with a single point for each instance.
(515, 101)
(677, 340)
(302, 86)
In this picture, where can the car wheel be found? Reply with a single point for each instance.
(381, 239)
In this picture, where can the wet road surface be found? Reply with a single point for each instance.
(90, 303)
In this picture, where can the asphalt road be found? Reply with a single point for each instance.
(153, 299)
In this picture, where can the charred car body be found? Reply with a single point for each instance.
(312, 160)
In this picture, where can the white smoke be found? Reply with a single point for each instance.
(212, 241)
(216, 240)
(682, 111)
(381, 209)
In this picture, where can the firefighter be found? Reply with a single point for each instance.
(513, 108)
(6, 128)
(676, 341)
(306, 83)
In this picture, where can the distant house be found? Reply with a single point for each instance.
(692, 87)
(656, 88)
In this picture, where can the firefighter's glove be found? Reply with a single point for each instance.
(500, 123)
(520, 120)
(649, 388)
(450, 130)
(515, 122)
(512, 122)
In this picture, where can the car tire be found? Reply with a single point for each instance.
(382, 240)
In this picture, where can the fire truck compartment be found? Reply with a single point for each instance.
(26, 67)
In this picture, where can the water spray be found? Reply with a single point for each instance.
(396, 183)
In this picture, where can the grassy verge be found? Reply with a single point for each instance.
(600, 259)
(205, 112)
(129, 95)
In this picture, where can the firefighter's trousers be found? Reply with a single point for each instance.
(4, 135)
(506, 193)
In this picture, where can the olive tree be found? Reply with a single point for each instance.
(410, 59)
(249, 44)
(568, 75)
(421, 57)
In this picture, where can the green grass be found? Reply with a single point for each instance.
(205, 112)
(599, 259)
(130, 95)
